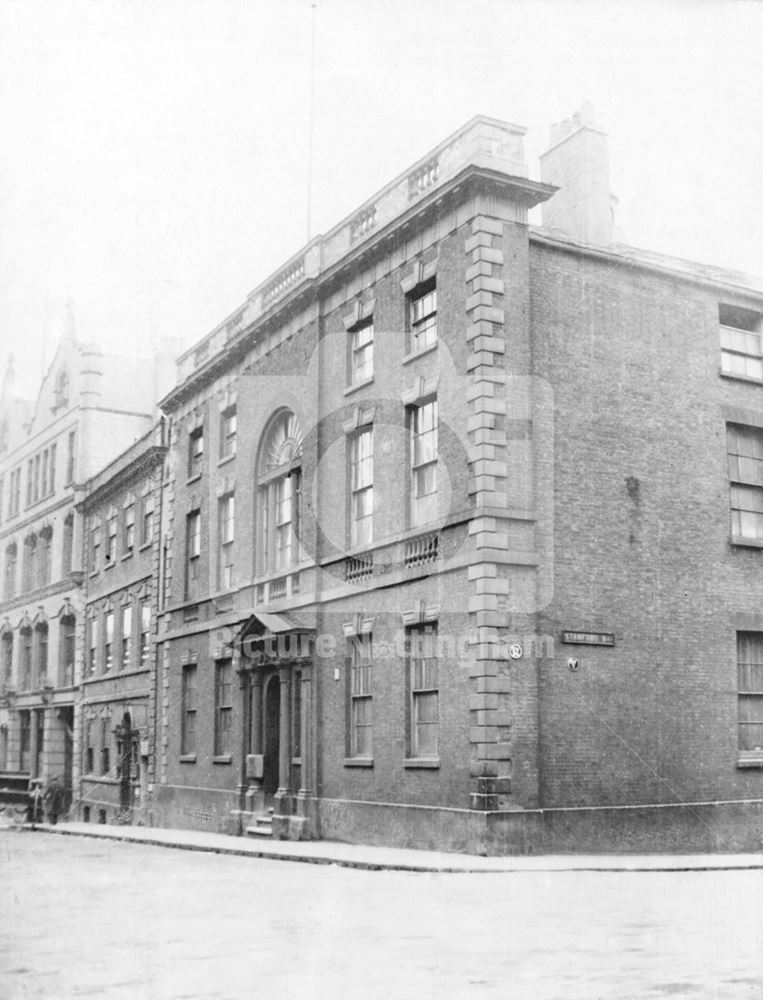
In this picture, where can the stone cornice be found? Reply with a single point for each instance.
(35, 597)
(111, 481)
(40, 513)
(471, 179)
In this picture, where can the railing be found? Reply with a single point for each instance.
(421, 550)
(357, 568)
(362, 223)
(234, 324)
(423, 178)
(278, 589)
(498, 142)
(283, 281)
(201, 353)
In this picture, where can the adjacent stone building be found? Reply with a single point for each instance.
(90, 406)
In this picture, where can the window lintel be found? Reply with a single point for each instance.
(420, 613)
(361, 416)
(420, 274)
(359, 624)
(360, 313)
(421, 390)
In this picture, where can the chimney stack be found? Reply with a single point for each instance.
(577, 162)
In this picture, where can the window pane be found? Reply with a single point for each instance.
(750, 736)
(750, 524)
(425, 480)
(363, 335)
(363, 503)
(426, 707)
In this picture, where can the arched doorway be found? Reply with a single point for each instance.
(272, 735)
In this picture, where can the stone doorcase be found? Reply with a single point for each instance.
(271, 647)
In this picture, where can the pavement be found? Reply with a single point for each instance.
(324, 852)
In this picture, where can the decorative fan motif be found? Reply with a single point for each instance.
(283, 443)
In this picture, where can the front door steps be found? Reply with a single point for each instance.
(262, 826)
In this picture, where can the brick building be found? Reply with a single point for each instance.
(122, 511)
(448, 545)
(459, 523)
(90, 406)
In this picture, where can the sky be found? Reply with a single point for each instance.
(155, 154)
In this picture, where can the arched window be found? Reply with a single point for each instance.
(278, 486)
(68, 546)
(41, 653)
(6, 650)
(29, 581)
(45, 549)
(25, 666)
(11, 558)
(66, 640)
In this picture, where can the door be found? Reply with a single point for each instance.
(272, 735)
(67, 724)
(124, 766)
(39, 750)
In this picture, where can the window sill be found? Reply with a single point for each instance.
(750, 758)
(144, 546)
(129, 671)
(100, 779)
(749, 543)
(740, 378)
(422, 763)
(419, 354)
(225, 758)
(358, 385)
(358, 762)
(187, 758)
(93, 573)
(109, 565)
(127, 555)
(226, 459)
(218, 595)
(193, 479)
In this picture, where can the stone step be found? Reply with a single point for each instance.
(263, 826)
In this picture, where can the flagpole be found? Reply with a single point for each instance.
(311, 126)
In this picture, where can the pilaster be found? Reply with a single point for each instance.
(502, 532)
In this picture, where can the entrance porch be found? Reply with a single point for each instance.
(275, 659)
